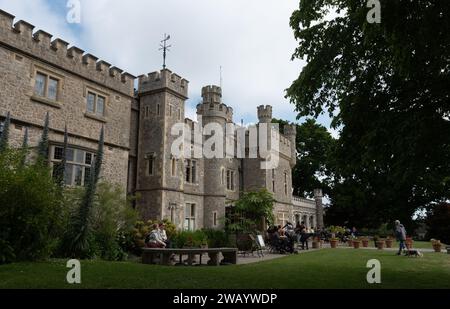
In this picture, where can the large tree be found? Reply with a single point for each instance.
(386, 86)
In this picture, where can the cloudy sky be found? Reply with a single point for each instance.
(250, 39)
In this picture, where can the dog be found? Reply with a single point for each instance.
(413, 253)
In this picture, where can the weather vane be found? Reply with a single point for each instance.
(165, 48)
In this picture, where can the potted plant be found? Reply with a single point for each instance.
(389, 242)
(316, 243)
(381, 244)
(437, 245)
(365, 242)
(356, 243)
(448, 250)
(350, 242)
(376, 238)
(334, 242)
(409, 243)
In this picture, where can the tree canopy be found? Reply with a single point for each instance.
(385, 86)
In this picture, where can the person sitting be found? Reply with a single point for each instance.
(163, 234)
(154, 240)
(280, 231)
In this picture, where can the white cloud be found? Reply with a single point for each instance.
(40, 14)
(250, 39)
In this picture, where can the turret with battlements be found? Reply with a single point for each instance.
(164, 80)
(265, 114)
(212, 108)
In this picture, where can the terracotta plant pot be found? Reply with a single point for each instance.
(389, 243)
(356, 244)
(409, 244)
(381, 244)
(333, 243)
(315, 245)
(437, 247)
(365, 243)
(350, 243)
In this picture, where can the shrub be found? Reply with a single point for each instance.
(217, 238)
(112, 218)
(190, 239)
(30, 209)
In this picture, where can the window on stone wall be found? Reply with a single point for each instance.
(78, 166)
(151, 159)
(215, 218)
(179, 114)
(147, 112)
(273, 180)
(170, 110)
(230, 180)
(189, 221)
(95, 104)
(174, 167)
(46, 86)
(191, 171)
(282, 218)
(285, 183)
(158, 109)
(222, 176)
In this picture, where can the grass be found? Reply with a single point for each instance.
(416, 244)
(328, 268)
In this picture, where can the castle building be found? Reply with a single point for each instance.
(39, 75)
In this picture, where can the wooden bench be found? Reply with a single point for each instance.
(164, 255)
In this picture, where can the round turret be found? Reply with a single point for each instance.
(212, 108)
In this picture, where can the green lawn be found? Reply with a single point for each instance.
(416, 244)
(328, 268)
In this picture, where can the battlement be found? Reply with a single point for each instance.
(163, 79)
(212, 94)
(265, 114)
(290, 130)
(39, 44)
(212, 105)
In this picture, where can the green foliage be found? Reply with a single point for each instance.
(43, 143)
(438, 223)
(60, 168)
(78, 238)
(217, 238)
(386, 88)
(29, 209)
(5, 133)
(190, 239)
(250, 211)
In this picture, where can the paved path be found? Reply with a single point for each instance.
(249, 259)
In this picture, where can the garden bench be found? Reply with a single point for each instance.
(165, 254)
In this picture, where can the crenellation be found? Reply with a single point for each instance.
(59, 46)
(103, 66)
(24, 28)
(163, 79)
(6, 20)
(90, 60)
(43, 37)
(20, 36)
(126, 77)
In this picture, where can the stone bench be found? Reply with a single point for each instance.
(165, 254)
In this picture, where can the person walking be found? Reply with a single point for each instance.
(400, 234)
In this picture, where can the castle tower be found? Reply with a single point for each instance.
(160, 183)
(318, 196)
(265, 114)
(213, 111)
(290, 132)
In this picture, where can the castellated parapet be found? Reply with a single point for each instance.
(163, 80)
(39, 44)
(212, 105)
(265, 114)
